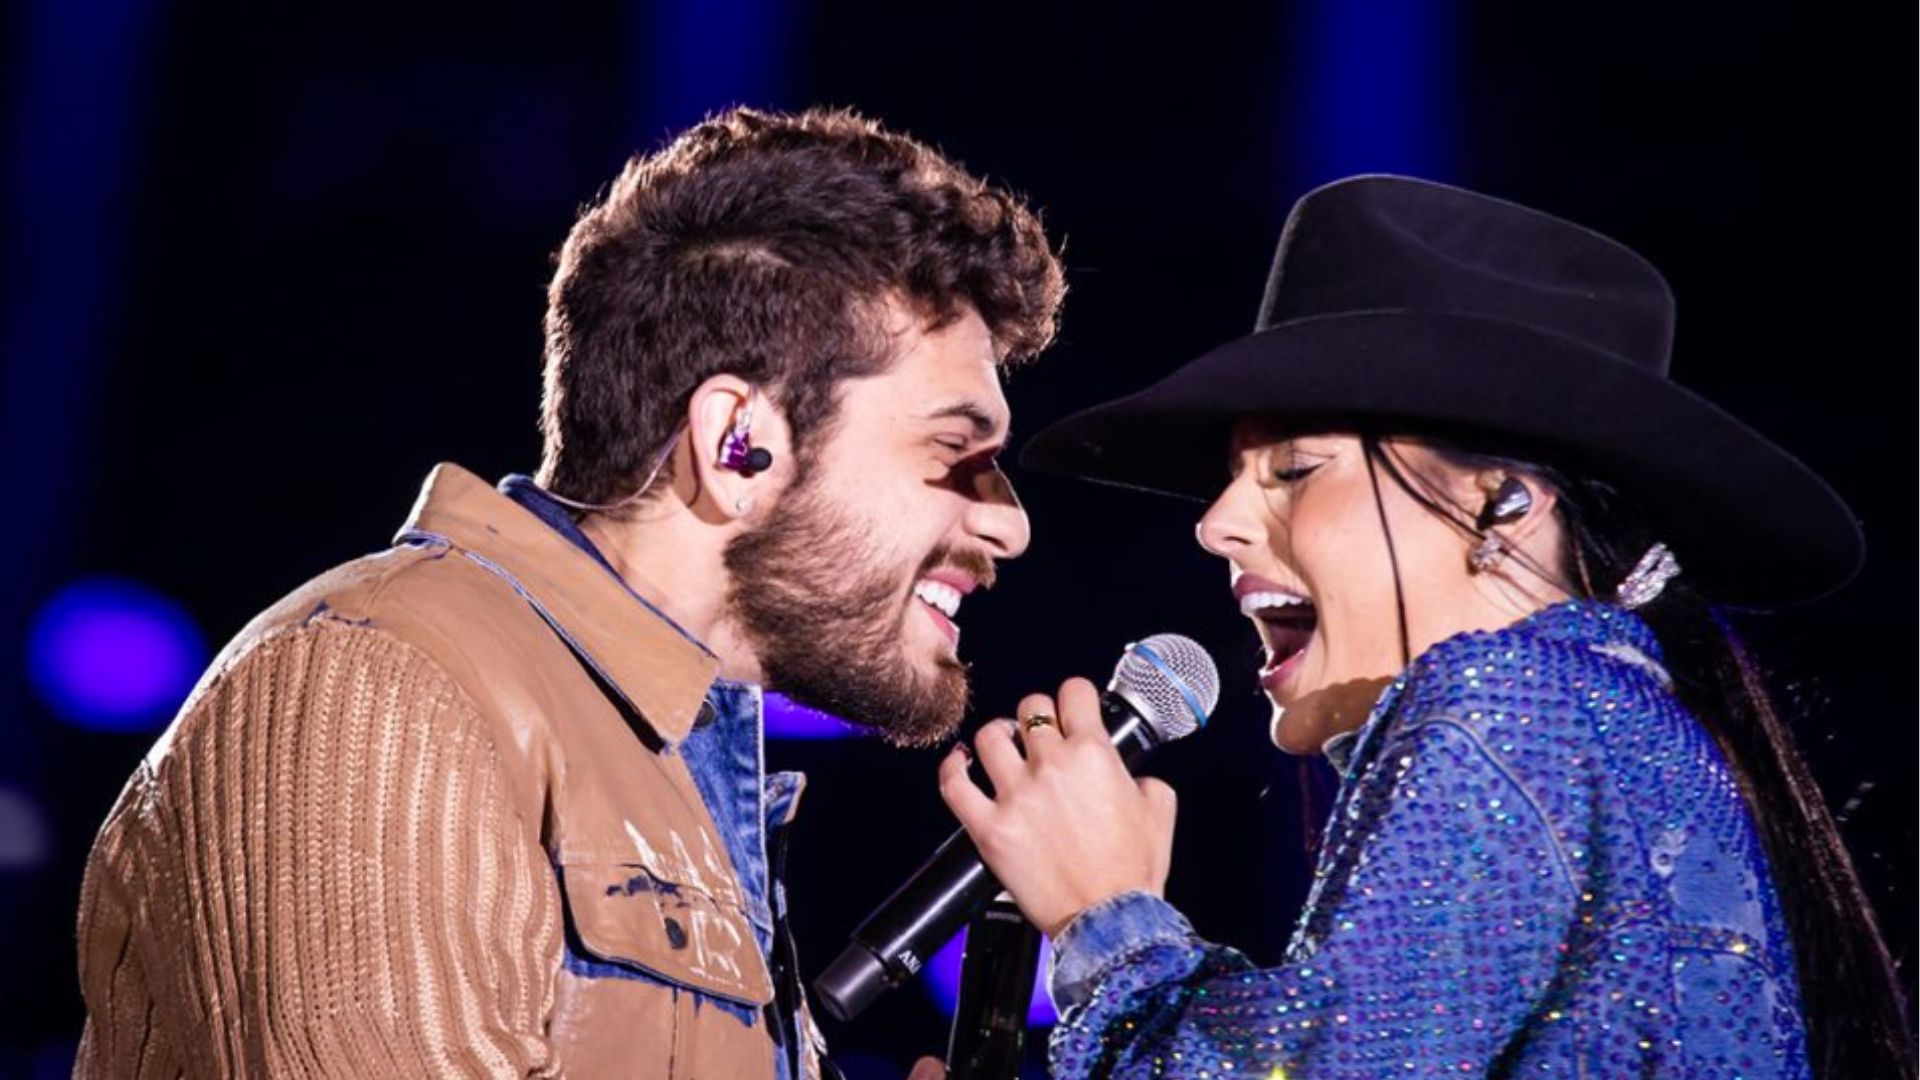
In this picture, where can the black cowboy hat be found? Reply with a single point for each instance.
(1395, 300)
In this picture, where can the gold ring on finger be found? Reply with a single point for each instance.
(1037, 720)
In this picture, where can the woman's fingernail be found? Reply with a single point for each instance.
(961, 749)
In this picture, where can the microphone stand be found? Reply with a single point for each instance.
(996, 989)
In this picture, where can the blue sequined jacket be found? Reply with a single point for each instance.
(1538, 864)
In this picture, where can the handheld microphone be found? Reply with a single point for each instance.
(1163, 689)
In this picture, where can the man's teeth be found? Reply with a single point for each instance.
(1255, 602)
(944, 597)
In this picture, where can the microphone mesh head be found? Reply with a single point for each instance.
(1171, 680)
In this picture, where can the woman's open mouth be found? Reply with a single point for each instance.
(1285, 621)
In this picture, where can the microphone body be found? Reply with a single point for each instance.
(954, 885)
(996, 990)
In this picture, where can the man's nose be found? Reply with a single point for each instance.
(995, 517)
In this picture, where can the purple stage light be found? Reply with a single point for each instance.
(788, 719)
(943, 980)
(114, 655)
(25, 838)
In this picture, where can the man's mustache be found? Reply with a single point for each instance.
(969, 562)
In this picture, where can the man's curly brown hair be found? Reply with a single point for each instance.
(766, 245)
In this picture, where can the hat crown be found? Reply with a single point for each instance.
(1399, 305)
(1391, 243)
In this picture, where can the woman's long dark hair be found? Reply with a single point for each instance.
(1855, 1012)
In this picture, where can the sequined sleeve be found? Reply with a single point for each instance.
(1438, 915)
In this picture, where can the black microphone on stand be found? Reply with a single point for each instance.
(1163, 689)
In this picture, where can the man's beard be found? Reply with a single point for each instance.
(827, 619)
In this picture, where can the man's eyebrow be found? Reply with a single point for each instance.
(985, 424)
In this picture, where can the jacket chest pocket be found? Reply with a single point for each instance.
(626, 914)
(644, 951)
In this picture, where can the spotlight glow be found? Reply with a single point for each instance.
(114, 655)
(25, 838)
(788, 719)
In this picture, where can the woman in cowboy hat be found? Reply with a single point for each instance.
(1457, 492)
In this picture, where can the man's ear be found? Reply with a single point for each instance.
(725, 409)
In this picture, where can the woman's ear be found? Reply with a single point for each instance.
(728, 421)
(1514, 503)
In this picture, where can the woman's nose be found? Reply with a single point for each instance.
(1227, 529)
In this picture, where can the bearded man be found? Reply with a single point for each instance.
(490, 803)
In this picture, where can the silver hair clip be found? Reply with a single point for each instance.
(1649, 577)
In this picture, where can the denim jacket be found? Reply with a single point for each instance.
(1538, 863)
(726, 754)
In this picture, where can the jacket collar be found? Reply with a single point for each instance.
(661, 672)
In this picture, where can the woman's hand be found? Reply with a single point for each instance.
(1067, 826)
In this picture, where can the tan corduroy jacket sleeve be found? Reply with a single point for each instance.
(318, 873)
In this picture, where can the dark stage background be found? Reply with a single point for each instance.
(263, 270)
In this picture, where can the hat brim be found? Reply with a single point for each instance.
(1751, 523)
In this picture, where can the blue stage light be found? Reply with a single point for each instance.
(55, 1060)
(693, 57)
(1373, 86)
(943, 981)
(855, 1065)
(25, 838)
(788, 719)
(114, 655)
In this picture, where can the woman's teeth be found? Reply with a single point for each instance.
(1254, 603)
(1286, 622)
(943, 598)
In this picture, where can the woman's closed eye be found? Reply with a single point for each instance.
(1293, 464)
